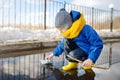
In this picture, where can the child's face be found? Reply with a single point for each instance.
(62, 30)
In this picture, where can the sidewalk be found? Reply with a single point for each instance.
(111, 74)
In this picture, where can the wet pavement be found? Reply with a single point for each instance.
(29, 67)
(111, 74)
(80, 74)
(58, 74)
(34, 70)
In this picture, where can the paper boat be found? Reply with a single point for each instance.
(46, 61)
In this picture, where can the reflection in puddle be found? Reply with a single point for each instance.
(29, 68)
(20, 68)
(57, 74)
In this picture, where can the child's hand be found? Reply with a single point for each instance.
(49, 56)
(87, 63)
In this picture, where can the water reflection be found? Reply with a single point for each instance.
(78, 74)
(21, 67)
(27, 66)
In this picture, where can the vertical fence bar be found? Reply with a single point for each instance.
(92, 16)
(3, 13)
(25, 15)
(20, 15)
(14, 13)
(64, 5)
(111, 24)
(39, 15)
(30, 16)
(45, 4)
(9, 15)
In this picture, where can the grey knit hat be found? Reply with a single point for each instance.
(63, 19)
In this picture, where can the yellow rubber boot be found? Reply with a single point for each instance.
(85, 67)
(70, 66)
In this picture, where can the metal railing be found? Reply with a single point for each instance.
(40, 14)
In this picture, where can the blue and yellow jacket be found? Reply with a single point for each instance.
(83, 35)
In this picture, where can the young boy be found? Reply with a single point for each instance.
(79, 40)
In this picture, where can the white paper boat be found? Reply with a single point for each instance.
(46, 61)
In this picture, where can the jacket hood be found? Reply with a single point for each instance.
(75, 15)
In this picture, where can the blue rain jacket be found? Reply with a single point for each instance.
(88, 40)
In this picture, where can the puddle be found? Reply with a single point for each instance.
(52, 73)
(28, 67)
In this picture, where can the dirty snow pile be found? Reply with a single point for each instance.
(107, 33)
(10, 33)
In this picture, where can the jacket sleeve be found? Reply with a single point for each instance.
(95, 42)
(59, 49)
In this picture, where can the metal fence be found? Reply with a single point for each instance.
(40, 14)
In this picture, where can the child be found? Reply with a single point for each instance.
(80, 40)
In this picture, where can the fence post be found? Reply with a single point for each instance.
(111, 23)
(92, 16)
(64, 4)
(45, 3)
